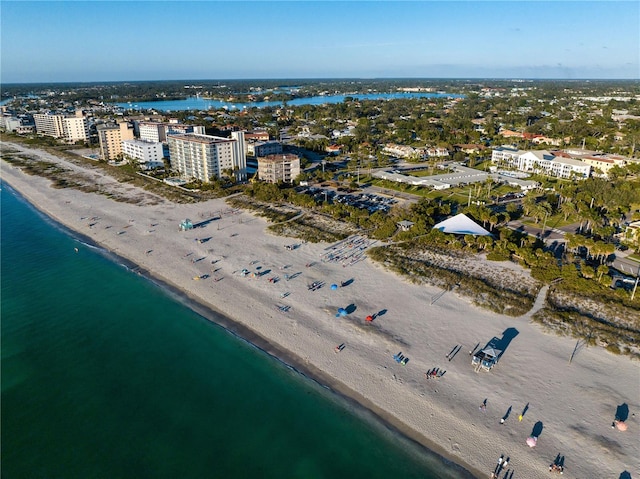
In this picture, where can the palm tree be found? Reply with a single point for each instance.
(589, 244)
(568, 208)
(540, 211)
(573, 241)
(493, 221)
(602, 270)
(529, 203)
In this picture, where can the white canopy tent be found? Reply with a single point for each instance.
(462, 225)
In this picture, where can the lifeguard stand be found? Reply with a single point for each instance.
(186, 225)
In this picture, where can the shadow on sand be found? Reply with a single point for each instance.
(537, 429)
(503, 343)
(204, 223)
(622, 412)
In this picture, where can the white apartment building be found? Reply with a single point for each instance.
(142, 151)
(506, 155)
(264, 148)
(275, 168)
(10, 123)
(155, 132)
(49, 125)
(204, 157)
(71, 129)
(540, 161)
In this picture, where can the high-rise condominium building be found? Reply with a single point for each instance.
(70, 128)
(204, 157)
(111, 138)
(155, 131)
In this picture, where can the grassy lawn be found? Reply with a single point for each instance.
(556, 221)
(430, 172)
(634, 257)
(453, 195)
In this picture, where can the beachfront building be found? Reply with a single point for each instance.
(10, 123)
(203, 157)
(155, 131)
(142, 151)
(70, 128)
(541, 162)
(264, 148)
(111, 138)
(276, 168)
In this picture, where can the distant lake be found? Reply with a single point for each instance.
(198, 103)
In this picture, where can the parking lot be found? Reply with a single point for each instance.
(364, 201)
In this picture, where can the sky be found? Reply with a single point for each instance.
(77, 41)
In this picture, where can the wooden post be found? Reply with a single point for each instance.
(574, 351)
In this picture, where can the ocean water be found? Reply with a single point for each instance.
(105, 374)
(198, 103)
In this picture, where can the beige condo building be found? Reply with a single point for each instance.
(276, 168)
(111, 138)
(69, 128)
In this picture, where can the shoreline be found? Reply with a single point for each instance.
(575, 403)
(250, 337)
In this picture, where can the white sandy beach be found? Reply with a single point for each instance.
(575, 403)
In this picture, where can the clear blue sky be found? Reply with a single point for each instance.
(106, 41)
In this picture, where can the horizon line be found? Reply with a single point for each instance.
(323, 79)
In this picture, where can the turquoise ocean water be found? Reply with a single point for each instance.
(106, 375)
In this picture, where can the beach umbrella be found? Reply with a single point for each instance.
(342, 312)
(621, 426)
(532, 441)
(334, 287)
(369, 318)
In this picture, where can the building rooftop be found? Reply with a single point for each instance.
(197, 138)
(278, 158)
(570, 161)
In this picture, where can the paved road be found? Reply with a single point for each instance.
(549, 235)
(627, 266)
(393, 194)
(554, 239)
